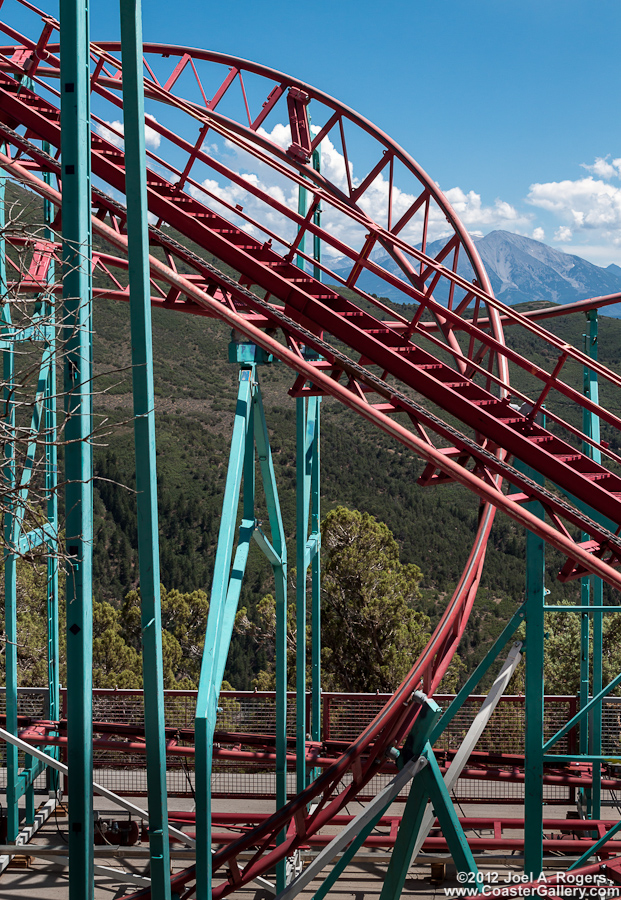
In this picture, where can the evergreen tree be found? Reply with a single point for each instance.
(371, 632)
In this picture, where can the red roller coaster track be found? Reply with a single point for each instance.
(447, 349)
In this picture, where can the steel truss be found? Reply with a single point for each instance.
(449, 348)
(29, 468)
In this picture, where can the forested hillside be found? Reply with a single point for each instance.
(362, 469)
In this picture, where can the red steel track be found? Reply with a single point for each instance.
(445, 355)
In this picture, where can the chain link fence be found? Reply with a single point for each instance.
(343, 718)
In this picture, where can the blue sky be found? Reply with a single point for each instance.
(512, 106)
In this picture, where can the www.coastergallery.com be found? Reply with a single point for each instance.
(603, 892)
(563, 884)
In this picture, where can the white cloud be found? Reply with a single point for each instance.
(585, 203)
(109, 135)
(469, 206)
(152, 138)
(473, 212)
(602, 168)
(599, 254)
(332, 162)
(539, 234)
(113, 133)
(563, 234)
(584, 213)
(477, 216)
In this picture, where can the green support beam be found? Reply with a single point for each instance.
(51, 487)
(10, 571)
(249, 431)
(428, 785)
(416, 742)
(42, 432)
(583, 712)
(533, 767)
(144, 440)
(308, 545)
(307, 554)
(315, 537)
(490, 657)
(77, 322)
(219, 622)
(278, 559)
(592, 592)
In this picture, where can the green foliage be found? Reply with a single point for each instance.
(184, 622)
(561, 671)
(371, 632)
(117, 651)
(262, 633)
(31, 624)
(115, 663)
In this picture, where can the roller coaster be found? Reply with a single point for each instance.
(247, 204)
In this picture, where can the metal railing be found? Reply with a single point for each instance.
(344, 716)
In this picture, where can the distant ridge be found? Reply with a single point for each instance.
(521, 270)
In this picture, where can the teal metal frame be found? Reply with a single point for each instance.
(10, 557)
(250, 439)
(592, 691)
(308, 546)
(40, 328)
(308, 535)
(486, 663)
(144, 439)
(77, 327)
(534, 697)
(591, 631)
(417, 744)
(428, 786)
(249, 432)
(51, 487)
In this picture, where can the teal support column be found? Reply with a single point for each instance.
(279, 568)
(10, 560)
(10, 557)
(302, 209)
(592, 591)
(249, 430)
(486, 663)
(303, 465)
(307, 551)
(399, 864)
(51, 487)
(315, 731)
(219, 625)
(308, 547)
(595, 722)
(42, 432)
(29, 811)
(428, 785)
(144, 439)
(533, 769)
(77, 321)
(411, 822)
(447, 817)
(585, 665)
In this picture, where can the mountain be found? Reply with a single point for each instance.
(521, 270)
